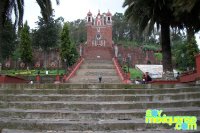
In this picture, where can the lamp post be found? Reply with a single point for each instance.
(183, 64)
(65, 60)
(128, 61)
(19, 59)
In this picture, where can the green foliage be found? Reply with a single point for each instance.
(8, 40)
(47, 35)
(132, 43)
(134, 72)
(78, 31)
(152, 47)
(124, 30)
(73, 55)
(16, 54)
(68, 50)
(192, 50)
(32, 72)
(17, 6)
(25, 45)
(146, 14)
(158, 56)
(184, 53)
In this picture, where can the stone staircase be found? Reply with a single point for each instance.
(91, 69)
(92, 108)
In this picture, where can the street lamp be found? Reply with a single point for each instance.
(19, 59)
(128, 61)
(65, 60)
(183, 64)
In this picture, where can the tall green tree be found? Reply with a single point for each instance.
(192, 50)
(147, 13)
(78, 31)
(47, 35)
(8, 41)
(25, 45)
(188, 12)
(7, 6)
(68, 52)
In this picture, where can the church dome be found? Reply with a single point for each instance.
(108, 13)
(89, 13)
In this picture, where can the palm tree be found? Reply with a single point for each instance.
(146, 13)
(188, 13)
(7, 6)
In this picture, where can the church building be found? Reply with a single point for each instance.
(99, 36)
(99, 29)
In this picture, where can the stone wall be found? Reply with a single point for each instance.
(137, 56)
(52, 60)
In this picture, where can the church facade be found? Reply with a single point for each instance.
(99, 36)
(99, 29)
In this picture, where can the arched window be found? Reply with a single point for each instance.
(89, 19)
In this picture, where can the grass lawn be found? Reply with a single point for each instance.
(32, 72)
(135, 73)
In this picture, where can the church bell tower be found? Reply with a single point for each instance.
(99, 29)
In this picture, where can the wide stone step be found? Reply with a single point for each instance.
(100, 86)
(95, 72)
(63, 125)
(97, 66)
(130, 114)
(125, 97)
(90, 131)
(94, 79)
(98, 61)
(80, 105)
(70, 86)
(97, 91)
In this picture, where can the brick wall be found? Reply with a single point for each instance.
(138, 56)
(92, 52)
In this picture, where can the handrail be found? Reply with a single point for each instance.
(74, 68)
(120, 72)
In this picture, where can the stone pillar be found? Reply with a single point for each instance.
(116, 50)
(80, 52)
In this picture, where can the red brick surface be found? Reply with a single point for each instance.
(11, 79)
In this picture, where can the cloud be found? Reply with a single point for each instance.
(72, 9)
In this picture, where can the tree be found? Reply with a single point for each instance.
(78, 31)
(192, 50)
(188, 12)
(8, 40)
(47, 35)
(147, 13)
(68, 52)
(119, 26)
(25, 45)
(73, 55)
(7, 6)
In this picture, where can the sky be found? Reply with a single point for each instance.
(76, 9)
(72, 9)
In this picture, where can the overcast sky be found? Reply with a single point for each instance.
(75, 9)
(72, 9)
